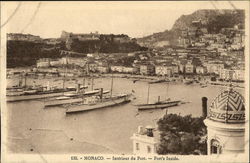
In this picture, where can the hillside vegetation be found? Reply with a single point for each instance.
(25, 53)
(99, 46)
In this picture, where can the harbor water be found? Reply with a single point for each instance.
(33, 128)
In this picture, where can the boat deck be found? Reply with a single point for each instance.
(62, 102)
(105, 104)
(32, 97)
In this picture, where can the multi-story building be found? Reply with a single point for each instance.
(230, 74)
(238, 39)
(236, 46)
(144, 141)
(216, 45)
(239, 74)
(175, 69)
(162, 70)
(92, 66)
(131, 70)
(200, 70)
(181, 68)
(124, 69)
(55, 62)
(184, 42)
(226, 74)
(102, 69)
(80, 36)
(48, 70)
(74, 61)
(43, 62)
(184, 33)
(189, 68)
(159, 59)
(214, 67)
(116, 68)
(166, 70)
(147, 69)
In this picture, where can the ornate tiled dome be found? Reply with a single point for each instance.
(228, 107)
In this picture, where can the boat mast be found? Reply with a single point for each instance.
(167, 91)
(148, 93)
(65, 72)
(20, 84)
(92, 83)
(25, 78)
(64, 80)
(111, 90)
(83, 82)
(87, 67)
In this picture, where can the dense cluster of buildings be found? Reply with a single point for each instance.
(170, 62)
(198, 53)
(228, 44)
(195, 60)
(226, 40)
(218, 56)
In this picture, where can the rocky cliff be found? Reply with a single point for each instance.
(212, 20)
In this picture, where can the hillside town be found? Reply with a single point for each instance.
(198, 53)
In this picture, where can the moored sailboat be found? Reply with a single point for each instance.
(160, 104)
(100, 101)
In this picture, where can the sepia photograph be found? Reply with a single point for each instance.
(104, 81)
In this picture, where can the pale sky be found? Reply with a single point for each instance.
(137, 19)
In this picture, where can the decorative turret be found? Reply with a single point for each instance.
(228, 107)
(226, 123)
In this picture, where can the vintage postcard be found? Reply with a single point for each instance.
(125, 81)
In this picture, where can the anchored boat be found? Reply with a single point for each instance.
(38, 93)
(157, 105)
(99, 103)
(72, 98)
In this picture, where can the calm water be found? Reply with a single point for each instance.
(100, 131)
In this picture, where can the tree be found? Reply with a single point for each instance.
(170, 143)
(181, 135)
